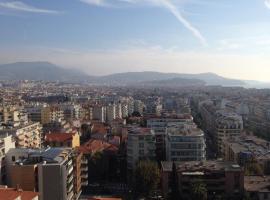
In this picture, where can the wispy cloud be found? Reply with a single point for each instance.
(173, 9)
(95, 2)
(20, 6)
(167, 4)
(267, 3)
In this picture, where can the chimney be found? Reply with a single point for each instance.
(18, 188)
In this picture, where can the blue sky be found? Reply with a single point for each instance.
(228, 37)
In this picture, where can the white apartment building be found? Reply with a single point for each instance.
(110, 112)
(140, 145)
(228, 126)
(185, 143)
(6, 143)
(124, 109)
(99, 113)
(159, 125)
(130, 107)
(118, 111)
(139, 106)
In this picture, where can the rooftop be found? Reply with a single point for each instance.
(184, 130)
(49, 155)
(93, 146)
(59, 137)
(251, 144)
(199, 167)
(257, 183)
(140, 131)
(12, 194)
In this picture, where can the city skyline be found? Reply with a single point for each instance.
(103, 37)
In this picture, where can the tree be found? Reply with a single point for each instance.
(136, 114)
(199, 190)
(253, 168)
(146, 177)
(174, 194)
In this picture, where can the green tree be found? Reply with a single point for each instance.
(146, 177)
(136, 114)
(199, 190)
(247, 197)
(253, 168)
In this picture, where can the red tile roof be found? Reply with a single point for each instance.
(11, 194)
(59, 137)
(93, 146)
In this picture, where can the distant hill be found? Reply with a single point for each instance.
(38, 71)
(138, 77)
(172, 83)
(50, 72)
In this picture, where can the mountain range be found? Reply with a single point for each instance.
(49, 72)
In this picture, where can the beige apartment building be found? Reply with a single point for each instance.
(28, 135)
(53, 172)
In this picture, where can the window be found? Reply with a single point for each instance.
(141, 138)
(13, 158)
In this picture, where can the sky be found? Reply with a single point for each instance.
(100, 37)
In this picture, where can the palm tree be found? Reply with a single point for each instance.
(199, 190)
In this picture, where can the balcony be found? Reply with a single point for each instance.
(84, 183)
(70, 196)
(84, 176)
(20, 137)
(70, 187)
(84, 169)
(69, 163)
(84, 161)
(70, 179)
(70, 170)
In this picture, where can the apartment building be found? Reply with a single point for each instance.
(248, 149)
(140, 145)
(6, 143)
(51, 172)
(228, 125)
(26, 135)
(34, 112)
(118, 111)
(99, 113)
(125, 113)
(159, 125)
(220, 124)
(88, 150)
(220, 178)
(71, 111)
(111, 112)
(258, 187)
(51, 114)
(12, 116)
(185, 142)
(138, 106)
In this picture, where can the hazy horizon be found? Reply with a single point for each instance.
(103, 37)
